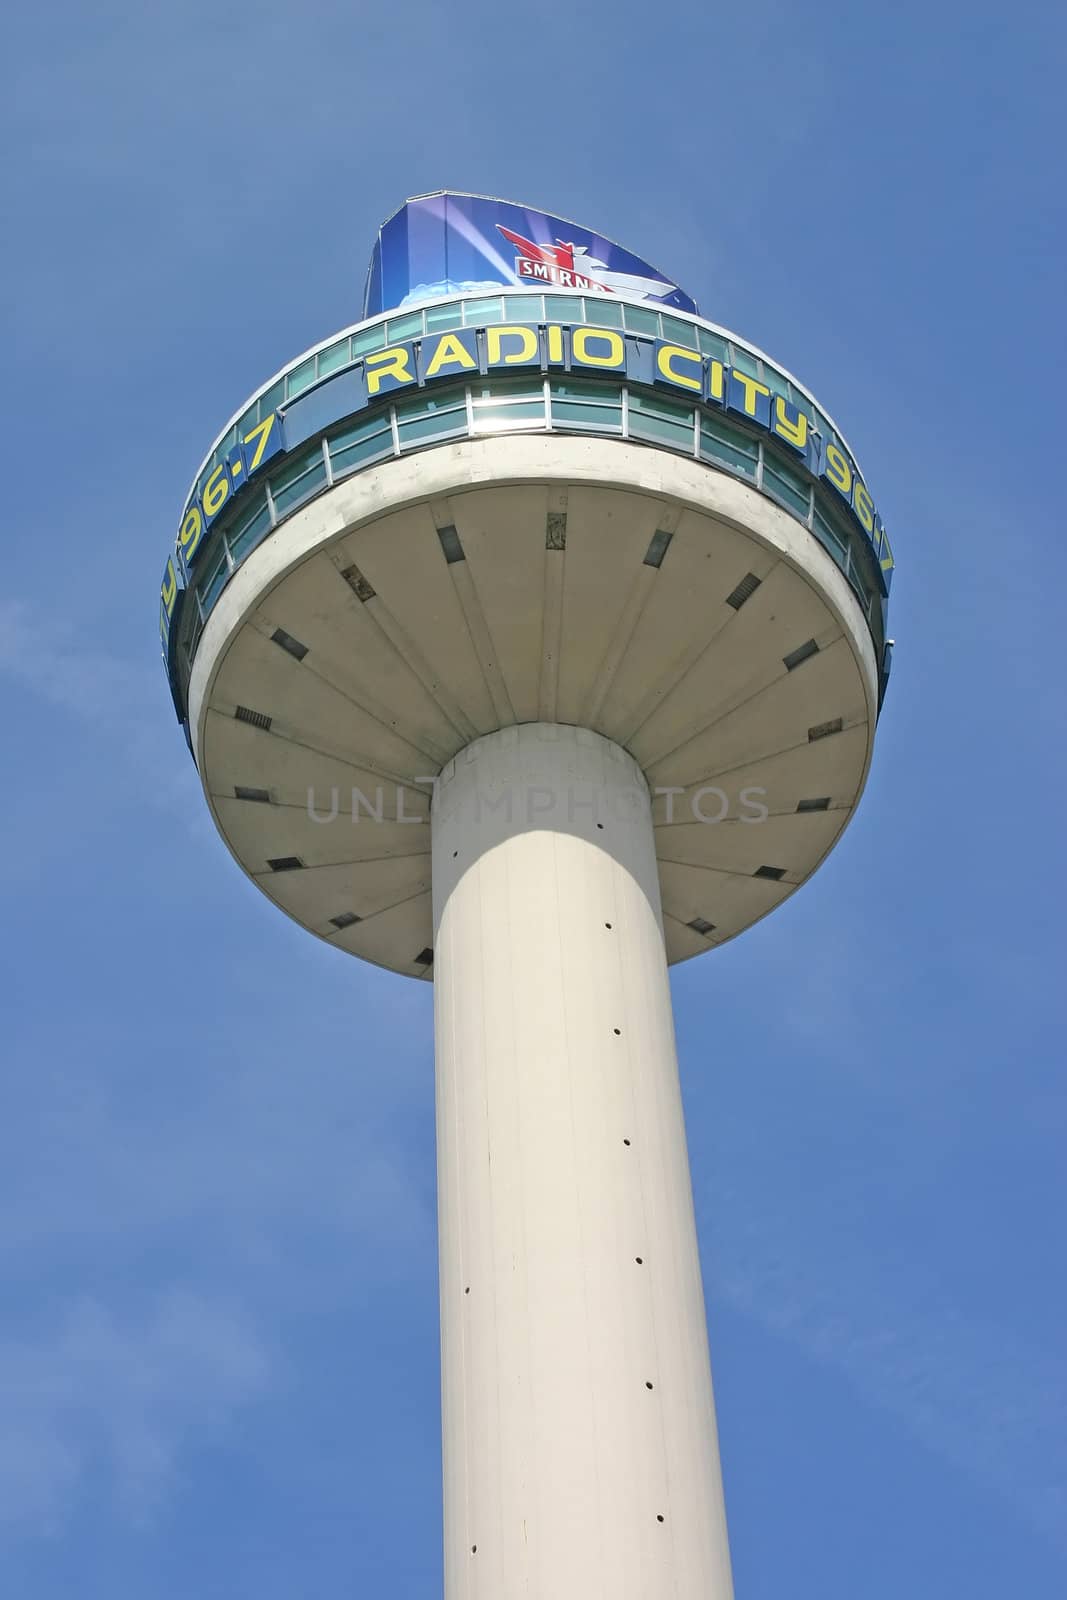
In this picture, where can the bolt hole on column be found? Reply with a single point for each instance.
(617, 1031)
(626, 1141)
(608, 926)
(640, 1260)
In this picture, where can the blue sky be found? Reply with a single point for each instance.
(218, 1336)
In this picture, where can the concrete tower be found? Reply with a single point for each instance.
(529, 636)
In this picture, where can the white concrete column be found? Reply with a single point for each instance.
(580, 1453)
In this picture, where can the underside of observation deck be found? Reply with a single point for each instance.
(516, 580)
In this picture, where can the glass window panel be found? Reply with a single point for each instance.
(665, 410)
(301, 378)
(856, 579)
(443, 415)
(436, 400)
(495, 418)
(828, 536)
(250, 530)
(336, 356)
(449, 315)
(406, 327)
(287, 472)
(661, 421)
(785, 472)
(432, 425)
(823, 425)
(271, 398)
(587, 417)
(523, 308)
(741, 359)
(638, 320)
(369, 339)
(681, 332)
(501, 394)
(576, 390)
(247, 422)
(775, 382)
(712, 345)
(298, 482)
(211, 585)
(476, 313)
(802, 403)
(368, 441)
(785, 486)
(602, 312)
(444, 400)
(564, 307)
(729, 447)
(221, 450)
(654, 429)
(858, 571)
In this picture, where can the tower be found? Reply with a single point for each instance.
(530, 636)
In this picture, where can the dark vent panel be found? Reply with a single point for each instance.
(358, 584)
(287, 642)
(345, 920)
(556, 530)
(255, 719)
(744, 591)
(658, 548)
(450, 543)
(803, 652)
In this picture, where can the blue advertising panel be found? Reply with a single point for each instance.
(446, 244)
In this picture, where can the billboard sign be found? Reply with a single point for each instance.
(442, 245)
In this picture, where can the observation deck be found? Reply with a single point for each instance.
(527, 507)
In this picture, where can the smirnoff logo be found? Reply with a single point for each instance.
(570, 266)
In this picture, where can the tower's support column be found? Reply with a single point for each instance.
(580, 1452)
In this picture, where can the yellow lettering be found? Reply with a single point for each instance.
(667, 355)
(190, 532)
(555, 342)
(392, 363)
(794, 432)
(716, 380)
(581, 339)
(863, 506)
(451, 351)
(260, 434)
(495, 340)
(168, 592)
(885, 551)
(752, 388)
(838, 470)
